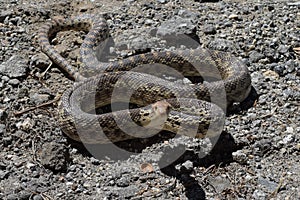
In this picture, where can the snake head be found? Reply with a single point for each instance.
(160, 111)
(161, 108)
(157, 115)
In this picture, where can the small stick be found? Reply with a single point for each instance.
(38, 106)
(43, 73)
(273, 194)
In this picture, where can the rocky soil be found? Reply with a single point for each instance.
(256, 157)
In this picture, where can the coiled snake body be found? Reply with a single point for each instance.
(195, 110)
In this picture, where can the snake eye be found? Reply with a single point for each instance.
(146, 114)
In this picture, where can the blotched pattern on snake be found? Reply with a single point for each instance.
(195, 110)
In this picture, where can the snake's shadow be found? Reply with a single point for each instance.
(248, 103)
(221, 154)
(119, 151)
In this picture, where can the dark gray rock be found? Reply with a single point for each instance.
(288, 93)
(162, 1)
(279, 69)
(263, 146)
(209, 29)
(54, 156)
(12, 197)
(223, 45)
(283, 49)
(269, 185)
(14, 82)
(24, 195)
(179, 31)
(188, 14)
(5, 78)
(287, 139)
(220, 183)
(124, 181)
(290, 66)
(123, 193)
(39, 98)
(15, 67)
(37, 197)
(255, 56)
(258, 194)
(240, 157)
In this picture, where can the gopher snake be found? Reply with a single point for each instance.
(181, 108)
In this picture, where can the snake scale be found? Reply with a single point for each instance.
(192, 109)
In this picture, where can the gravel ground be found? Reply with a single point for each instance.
(256, 157)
